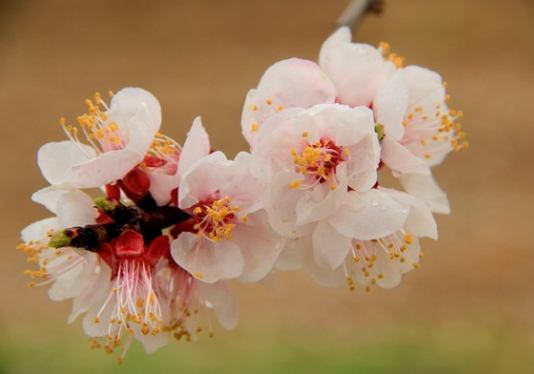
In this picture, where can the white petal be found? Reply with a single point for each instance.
(39, 229)
(205, 260)
(322, 201)
(106, 168)
(196, 146)
(370, 215)
(340, 36)
(330, 248)
(426, 87)
(75, 208)
(390, 105)
(420, 222)
(357, 71)
(292, 83)
(400, 159)
(281, 206)
(222, 297)
(425, 188)
(161, 186)
(201, 179)
(259, 245)
(56, 159)
(323, 275)
(289, 258)
(126, 103)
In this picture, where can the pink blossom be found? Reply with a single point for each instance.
(229, 236)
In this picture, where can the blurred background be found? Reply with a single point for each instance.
(468, 309)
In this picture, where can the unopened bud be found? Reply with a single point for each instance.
(60, 239)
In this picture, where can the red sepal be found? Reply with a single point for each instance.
(129, 244)
(113, 191)
(157, 249)
(136, 182)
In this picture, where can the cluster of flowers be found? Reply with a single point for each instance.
(173, 224)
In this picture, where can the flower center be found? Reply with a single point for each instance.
(215, 219)
(431, 132)
(319, 160)
(101, 132)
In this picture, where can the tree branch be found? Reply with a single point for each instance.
(357, 9)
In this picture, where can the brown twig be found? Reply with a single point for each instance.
(357, 9)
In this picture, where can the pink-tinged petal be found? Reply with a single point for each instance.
(199, 180)
(287, 84)
(281, 206)
(125, 104)
(323, 275)
(272, 150)
(370, 215)
(322, 201)
(390, 105)
(425, 188)
(391, 258)
(289, 258)
(97, 327)
(106, 168)
(426, 87)
(206, 260)
(297, 83)
(420, 222)
(75, 208)
(56, 159)
(141, 132)
(39, 229)
(259, 245)
(330, 248)
(342, 35)
(49, 196)
(75, 281)
(161, 186)
(151, 342)
(357, 71)
(400, 159)
(223, 300)
(236, 181)
(196, 146)
(94, 296)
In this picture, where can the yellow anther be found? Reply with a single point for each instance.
(294, 184)
(255, 107)
(269, 101)
(408, 239)
(304, 134)
(254, 127)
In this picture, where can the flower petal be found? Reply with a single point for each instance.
(196, 146)
(400, 159)
(370, 215)
(330, 248)
(206, 260)
(259, 245)
(425, 188)
(223, 300)
(56, 159)
(390, 105)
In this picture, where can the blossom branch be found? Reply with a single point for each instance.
(357, 9)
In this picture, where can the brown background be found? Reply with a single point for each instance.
(472, 301)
